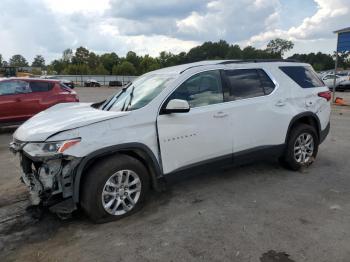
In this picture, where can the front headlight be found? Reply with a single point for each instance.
(49, 148)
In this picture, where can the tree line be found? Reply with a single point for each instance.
(82, 61)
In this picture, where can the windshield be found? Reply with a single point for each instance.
(137, 94)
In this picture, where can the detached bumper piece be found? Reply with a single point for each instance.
(50, 182)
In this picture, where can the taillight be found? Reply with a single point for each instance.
(326, 95)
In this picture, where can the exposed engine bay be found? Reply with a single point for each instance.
(49, 180)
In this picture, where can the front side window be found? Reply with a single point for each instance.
(201, 89)
(14, 87)
(304, 76)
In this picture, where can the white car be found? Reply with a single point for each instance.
(106, 157)
(342, 82)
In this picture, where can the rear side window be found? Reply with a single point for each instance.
(303, 76)
(266, 82)
(41, 86)
(247, 83)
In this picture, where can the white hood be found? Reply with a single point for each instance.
(59, 118)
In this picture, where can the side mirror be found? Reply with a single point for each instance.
(177, 106)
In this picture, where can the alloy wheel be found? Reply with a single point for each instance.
(121, 192)
(304, 148)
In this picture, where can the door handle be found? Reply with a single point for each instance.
(220, 115)
(280, 103)
(18, 100)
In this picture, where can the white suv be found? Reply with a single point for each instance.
(105, 157)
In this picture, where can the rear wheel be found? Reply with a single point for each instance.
(114, 187)
(301, 148)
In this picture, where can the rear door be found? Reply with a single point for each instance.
(12, 101)
(39, 99)
(259, 116)
(201, 135)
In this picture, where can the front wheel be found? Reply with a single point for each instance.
(302, 147)
(114, 187)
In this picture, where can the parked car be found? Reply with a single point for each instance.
(68, 83)
(21, 98)
(91, 83)
(115, 83)
(106, 157)
(342, 82)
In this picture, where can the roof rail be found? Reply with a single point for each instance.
(194, 67)
(226, 62)
(256, 61)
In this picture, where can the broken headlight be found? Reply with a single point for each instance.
(47, 149)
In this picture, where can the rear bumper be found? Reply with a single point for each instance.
(324, 133)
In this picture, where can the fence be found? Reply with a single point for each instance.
(102, 79)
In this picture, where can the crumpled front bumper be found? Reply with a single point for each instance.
(49, 179)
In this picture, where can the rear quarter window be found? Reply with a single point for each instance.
(304, 76)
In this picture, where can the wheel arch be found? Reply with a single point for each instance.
(137, 150)
(308, 118)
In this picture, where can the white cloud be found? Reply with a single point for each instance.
(330, 16)
(230, 20)
(77, 6)
(148, 26)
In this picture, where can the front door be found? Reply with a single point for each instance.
(201, 135)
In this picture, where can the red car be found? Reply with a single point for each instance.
(21, 98)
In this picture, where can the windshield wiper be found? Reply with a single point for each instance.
(131, 97)
(114, 98)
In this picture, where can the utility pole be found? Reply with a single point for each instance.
(335, 74)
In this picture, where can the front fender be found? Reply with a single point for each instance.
(139, 149)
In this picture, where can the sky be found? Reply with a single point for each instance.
(47, 27)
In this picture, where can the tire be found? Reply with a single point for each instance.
(111, 169)
(290, 158)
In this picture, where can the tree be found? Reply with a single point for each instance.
(344, 60)
(279, 46)
(319, 61)
(234, 52)
(0, 60)
(100, 70)
(39, 61)
(93, 61)
(109, 60)
(133, 58)
(209, 50)
(125, 68)
(67, 55)
(148, 64)
(18, 61)
(56, 66)
(81, 56)
(74, 69)
(249, 52)
(167, 59)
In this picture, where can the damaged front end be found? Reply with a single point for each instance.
(48, 173)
